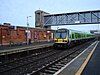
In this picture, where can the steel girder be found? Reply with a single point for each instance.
(87, 17)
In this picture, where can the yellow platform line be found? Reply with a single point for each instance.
(86, 61)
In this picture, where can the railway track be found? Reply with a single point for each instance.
(65, 57)
(39, 62)
(14, 64)
(16, 56)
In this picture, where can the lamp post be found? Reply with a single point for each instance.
(28, 30)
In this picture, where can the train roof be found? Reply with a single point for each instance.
(75, 31)
(63, 29)
(69, 29)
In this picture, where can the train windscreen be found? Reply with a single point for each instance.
(61, 34)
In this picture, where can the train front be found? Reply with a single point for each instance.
(61, 38)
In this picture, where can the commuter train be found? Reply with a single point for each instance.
(66, 37)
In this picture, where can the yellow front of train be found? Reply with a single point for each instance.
(61, 39)
(60, 43)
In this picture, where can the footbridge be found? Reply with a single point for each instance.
(74, 18)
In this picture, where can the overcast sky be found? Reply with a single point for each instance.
(16, 11)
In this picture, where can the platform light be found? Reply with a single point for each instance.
(28, 29)
(48, 31)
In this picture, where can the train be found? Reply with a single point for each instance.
(65, 38)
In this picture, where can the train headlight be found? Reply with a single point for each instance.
(55, 40)
(65, 40)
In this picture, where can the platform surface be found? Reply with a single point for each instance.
(93, 66)
(20, 48)
(74, 66)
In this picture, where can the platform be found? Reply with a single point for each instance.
(21, 48)
(93, 66)
(76, 66)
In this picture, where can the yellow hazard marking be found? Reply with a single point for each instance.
(86, 61)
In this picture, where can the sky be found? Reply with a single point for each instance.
(16, 11)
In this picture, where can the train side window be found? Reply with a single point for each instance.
(68, 33)
(72, 35)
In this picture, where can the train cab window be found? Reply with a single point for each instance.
(62, 34)
(57, 35)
